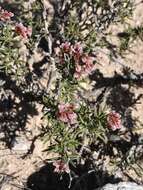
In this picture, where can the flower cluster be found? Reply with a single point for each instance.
(61, 167)
(66, 113)
(5, 15)
(114, 121)
(22, 30)
(86, 67)
(83, 62)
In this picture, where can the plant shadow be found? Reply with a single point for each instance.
(16, 107)
(45, 179)
(118, 94)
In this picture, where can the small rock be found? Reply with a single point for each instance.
(121, 186)
(20, 144)
(2, 135)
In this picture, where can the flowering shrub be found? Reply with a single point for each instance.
(72, 128)
(73, 123)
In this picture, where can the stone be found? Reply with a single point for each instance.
(121, 186)
(20, 144)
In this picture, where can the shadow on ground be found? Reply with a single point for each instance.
(16, 106)
(45, 179)
(117, 93)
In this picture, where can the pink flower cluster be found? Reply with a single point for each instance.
(19, 27)
(83, 62)
(61, 167)
(66, 113)
(22, 30)
(5, 15)
(86, 67)
(114, 120)
(65, 47)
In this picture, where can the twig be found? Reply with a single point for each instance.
(19, 186)
(9, 175)
(45, 16)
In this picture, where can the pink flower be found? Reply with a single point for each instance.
(77, 51)
(66, 47)
(114, 120)
(61, 167)
(5, 15)
(66, 113)
(22, 30)
(85, 68)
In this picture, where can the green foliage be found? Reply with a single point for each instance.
(66, 139)
(10, 61)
